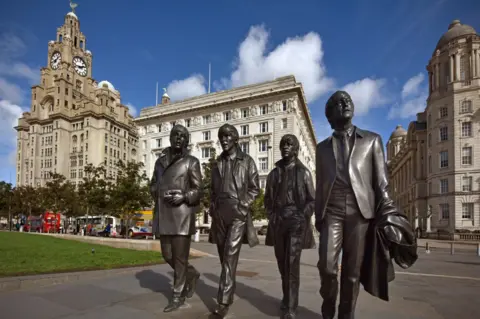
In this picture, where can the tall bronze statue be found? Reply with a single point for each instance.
(234, 188)
(355, 213)
(289, 202)
(176, 187)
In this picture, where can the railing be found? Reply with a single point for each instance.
(468, 237)
(452, 244)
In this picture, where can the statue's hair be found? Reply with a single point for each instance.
(334, 98)
(228, 128)
(183, 130)
(294, 140)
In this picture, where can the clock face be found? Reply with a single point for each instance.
(55, 60)
(80, 66)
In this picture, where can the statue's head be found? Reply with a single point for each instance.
(339, 109)
(289, 146)
(179, 137)
(228, 136)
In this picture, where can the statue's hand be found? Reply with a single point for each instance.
(177, 199)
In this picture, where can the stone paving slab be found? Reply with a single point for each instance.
(438, 286)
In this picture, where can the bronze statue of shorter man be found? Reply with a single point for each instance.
(353, 207)
(234, 187)
(176, 187)
(289, 202)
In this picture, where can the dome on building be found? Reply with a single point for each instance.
(88, 52)
(51, 42)
(106, 84)
(165, 95)
(399, 132)
(455, 30)
(73, 15)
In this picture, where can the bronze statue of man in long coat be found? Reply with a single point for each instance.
(351, 196)
(290, 203)
(176, 187)
(234, 187)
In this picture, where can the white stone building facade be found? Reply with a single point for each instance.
(73, 120)
(262, 113)
(436, 163)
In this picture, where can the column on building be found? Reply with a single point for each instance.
(477, 57)
(430, 84)
(472, 64)
(457, 67)
(437, 75)
(452, 63)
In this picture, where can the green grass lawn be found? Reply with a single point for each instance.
(28, 254)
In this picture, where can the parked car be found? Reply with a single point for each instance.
(263, 230)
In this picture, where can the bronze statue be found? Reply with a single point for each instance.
(354, 212)
(289, 202)
(234, 187)
(176, 187)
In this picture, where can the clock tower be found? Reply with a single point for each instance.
(73, 119)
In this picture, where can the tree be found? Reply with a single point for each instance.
(95, 190)
(131, 192)
(206, 182)
(6, 194)
(27, 200)
(258, 208)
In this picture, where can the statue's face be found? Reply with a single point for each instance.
(227, 140)
(287, 149)
(343, 109)
(178, 139)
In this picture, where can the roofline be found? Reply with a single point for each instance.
(225, 97)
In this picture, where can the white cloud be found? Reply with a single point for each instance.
(20, 70)
(412, 86)
(413, 100)
(132, 109)
(10, 91)
(301, 56)
(189, 87)
(366, 94)
(9, 114)
(11, 46)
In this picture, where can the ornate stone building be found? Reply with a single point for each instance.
(262, 113)
(432, 164)
(73, 120)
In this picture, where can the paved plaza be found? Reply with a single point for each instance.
(438, 286)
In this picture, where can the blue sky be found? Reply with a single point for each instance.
(376, 49)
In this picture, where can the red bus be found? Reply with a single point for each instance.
(46, 223)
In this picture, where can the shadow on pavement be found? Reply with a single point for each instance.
(155, 282)
(264, 303)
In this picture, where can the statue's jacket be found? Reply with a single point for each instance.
(245, 177)
(304, 196)
(182, 174)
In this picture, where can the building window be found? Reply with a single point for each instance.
(430, 189)
(444, 211)
(245, 147)
(263, 146)
(144, 144)
(244, 112)
(206, 136)
(430, 140)
(206, 152)
(263, 163)
(244, 130)
(284, 123)
(159, 128)
(444, 133)
(467, 153)
(466, 129)
(264, 109)
(463, 67)
(263, 183)
(466, 106)
(443, 186)
(264, 127)
(159, 142)
(467, 183)
(207, 119)
(284, 105)
(188, 122)
(227, 116)
(443, 113)
(467, 210)
(443, 159)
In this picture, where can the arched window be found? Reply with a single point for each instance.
(74, 139)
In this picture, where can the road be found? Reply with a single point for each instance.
(439, 285)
